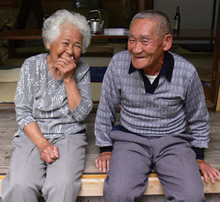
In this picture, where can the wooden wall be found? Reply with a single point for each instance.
(8, 3)
(122, 11)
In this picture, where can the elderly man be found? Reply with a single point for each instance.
(158, 93)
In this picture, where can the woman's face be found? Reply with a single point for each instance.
(68, 44)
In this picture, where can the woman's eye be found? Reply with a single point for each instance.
(77, 46)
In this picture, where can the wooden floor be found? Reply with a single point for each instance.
(8, 127)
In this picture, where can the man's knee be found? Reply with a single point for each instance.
(119, 192)
(187, 194)
(195, 194)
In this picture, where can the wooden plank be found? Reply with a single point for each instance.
(92, 185)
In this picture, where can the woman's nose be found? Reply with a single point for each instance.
(70, 50)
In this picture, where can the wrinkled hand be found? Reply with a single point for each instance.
(103, 160)
(208, 172)
(49, 152)
(66, 67)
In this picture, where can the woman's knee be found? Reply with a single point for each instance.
(63, 184)
(64, 189)
(19, 190)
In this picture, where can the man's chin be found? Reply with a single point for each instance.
(138, 66)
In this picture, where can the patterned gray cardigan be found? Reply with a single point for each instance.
(41, 98)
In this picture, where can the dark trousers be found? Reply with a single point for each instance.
(24, 12)
(134, 157)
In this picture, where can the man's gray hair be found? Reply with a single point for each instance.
(52, 26)
(162, 20)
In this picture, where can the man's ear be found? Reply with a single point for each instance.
(167, 42)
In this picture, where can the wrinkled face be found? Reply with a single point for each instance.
(68, 43)
(145, 46)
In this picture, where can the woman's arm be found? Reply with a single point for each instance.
(73, 95)
(24, 99)
(48, 152)
(77, 86)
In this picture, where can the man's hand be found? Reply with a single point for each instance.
(208, 172)
(49, 153)
(103, 160)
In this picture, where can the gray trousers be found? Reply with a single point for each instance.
(28, 174)
(134, 157)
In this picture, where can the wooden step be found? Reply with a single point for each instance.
(92, 185)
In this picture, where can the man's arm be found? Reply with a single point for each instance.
(105, 118)
(198, 120)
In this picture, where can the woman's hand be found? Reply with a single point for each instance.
(103, 160)
(208, 172)
(48, 152)
(65, 66)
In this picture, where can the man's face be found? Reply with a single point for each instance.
(145, 46)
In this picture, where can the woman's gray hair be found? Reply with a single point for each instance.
(52, 26)
(162, 20)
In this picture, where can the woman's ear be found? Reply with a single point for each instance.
(48, 45)
(167, 42)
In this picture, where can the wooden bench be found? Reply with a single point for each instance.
(92, 185)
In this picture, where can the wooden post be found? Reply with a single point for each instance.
(144, 4)
(1, 62)
(214, 89)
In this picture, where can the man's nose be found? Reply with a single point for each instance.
(137, 47)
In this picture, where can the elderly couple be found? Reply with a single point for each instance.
(158, 92)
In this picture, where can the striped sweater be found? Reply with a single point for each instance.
(163, 108)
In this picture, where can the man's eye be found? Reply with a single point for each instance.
(145, 42)
(131, 40)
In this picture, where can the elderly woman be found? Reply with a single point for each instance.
(53, 98)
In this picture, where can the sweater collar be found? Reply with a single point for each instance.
(166, 70)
